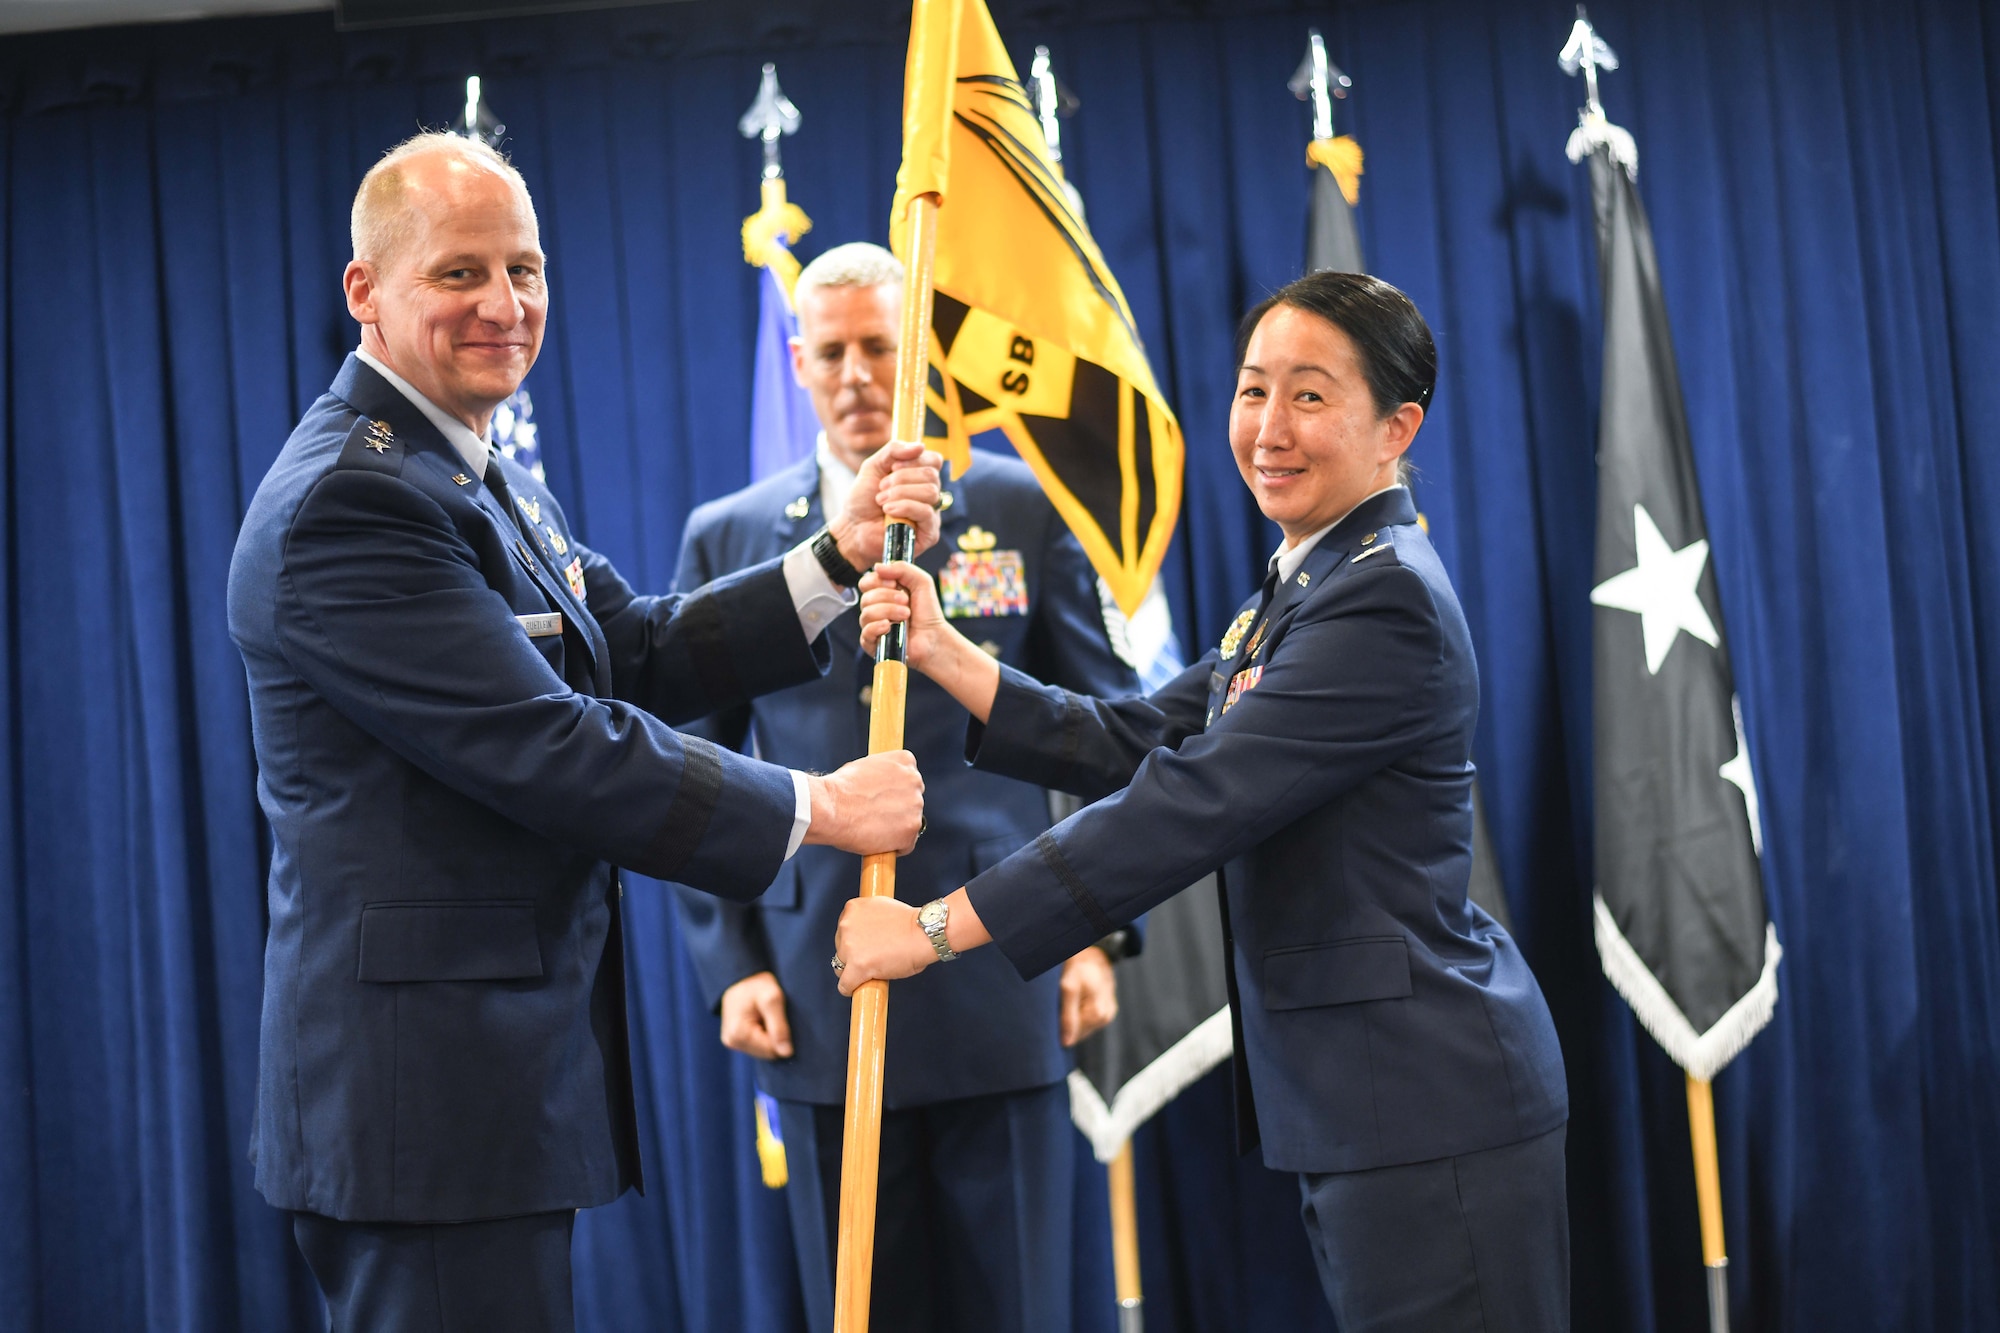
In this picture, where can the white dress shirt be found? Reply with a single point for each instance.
(817, 598)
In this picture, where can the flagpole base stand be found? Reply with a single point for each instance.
(1132, 1316)
(1718, 1297)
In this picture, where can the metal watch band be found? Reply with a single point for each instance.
(932, 917)
(827, 551)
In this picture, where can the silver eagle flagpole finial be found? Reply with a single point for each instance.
(1053, 103)
(1319, 81)
(477, 121)
(1588, 53)
(769, 118)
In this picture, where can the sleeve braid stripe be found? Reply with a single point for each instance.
(1052, 854)
(686, 820)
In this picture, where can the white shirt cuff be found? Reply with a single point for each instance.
(818, 599)
(802, 812)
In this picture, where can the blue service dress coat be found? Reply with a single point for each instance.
(1320, 759)
(460, 717)
(974, 1028)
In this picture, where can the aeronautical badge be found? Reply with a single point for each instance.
(556, 539)
(573, 571)
(1241, 684)
(532, 508)
(1232, 638)
(981, 581)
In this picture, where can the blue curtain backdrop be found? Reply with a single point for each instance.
(1822, 182)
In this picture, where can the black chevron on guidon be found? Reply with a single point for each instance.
(991, 141)
(947, 317)
(1081, 449)
(1142, 462)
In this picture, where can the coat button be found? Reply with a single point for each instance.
(867, 696)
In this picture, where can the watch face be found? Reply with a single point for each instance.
(931, 914)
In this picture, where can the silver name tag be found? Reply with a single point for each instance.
(542, 626)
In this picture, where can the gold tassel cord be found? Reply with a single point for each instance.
(1341, 156)
(778, 219)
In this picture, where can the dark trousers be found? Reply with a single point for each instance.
(506, 1276)
(1477, 1243)
(972, 1220)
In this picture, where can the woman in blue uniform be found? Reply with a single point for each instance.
(1394, 1049)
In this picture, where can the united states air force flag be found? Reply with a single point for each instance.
(782, 424)
(1680, 915)
(1030, 334)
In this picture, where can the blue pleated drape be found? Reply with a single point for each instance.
(1823, 187)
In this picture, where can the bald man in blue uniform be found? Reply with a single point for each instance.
(461, 719)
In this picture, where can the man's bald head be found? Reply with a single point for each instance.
(389, 208)
(447, 280)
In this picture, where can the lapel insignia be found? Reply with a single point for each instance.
(1241, 684)
(1304, 578)
(798, 508)
(573, 571)
(532, 508)
(460, 479)
(1232, 638)
(982, 581)
(556, 540)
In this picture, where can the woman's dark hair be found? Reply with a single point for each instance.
(1398, 358)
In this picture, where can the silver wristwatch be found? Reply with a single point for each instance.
(932, 916)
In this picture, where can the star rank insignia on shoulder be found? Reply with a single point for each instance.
(982, 580)
(798, 508)
(1232, 638)
(373, 446)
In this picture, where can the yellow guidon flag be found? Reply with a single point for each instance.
(1030, 333)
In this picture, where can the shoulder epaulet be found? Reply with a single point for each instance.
(373, 446)
(1359, 556)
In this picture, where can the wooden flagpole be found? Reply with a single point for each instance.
(867, 1032)
(1708, 1196)
(1125, 1243)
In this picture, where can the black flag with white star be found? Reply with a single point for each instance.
(1680, 916)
